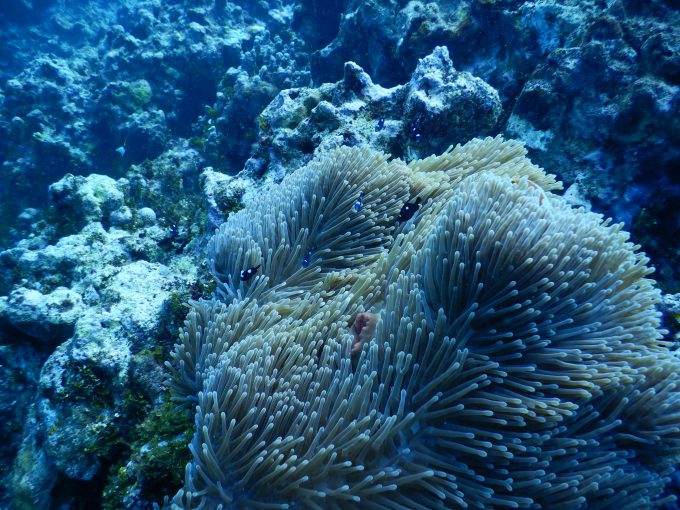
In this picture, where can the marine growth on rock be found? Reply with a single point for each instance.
(514, 359)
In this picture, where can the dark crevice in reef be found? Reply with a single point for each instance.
(78, 494)
(12, 336)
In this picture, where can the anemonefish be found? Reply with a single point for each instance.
(249, 273)
(359, 203)
(408, 210)
(532, 184)
(307, 259)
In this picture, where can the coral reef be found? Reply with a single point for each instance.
(130, 130)
(148, 72)
(590, 88)
(436, 107)
(88, 294)
(567, 78)
(599, 109)
(516, 361)
(19, 370)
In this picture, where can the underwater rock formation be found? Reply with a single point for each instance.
(600, 109)
(90, 296)
(101, 86)
(437, 106)
(91, 198)
(516, 360)
(80, 82)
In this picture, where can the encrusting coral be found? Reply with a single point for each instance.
(515, 360)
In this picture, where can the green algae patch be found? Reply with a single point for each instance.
(150, 471)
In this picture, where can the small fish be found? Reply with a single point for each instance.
(380, 124)
(121, 150)
(249, 273)
(409, 209)
(359, 202)
(307, 259)
(532, 184)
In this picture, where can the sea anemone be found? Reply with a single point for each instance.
(498, 349)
